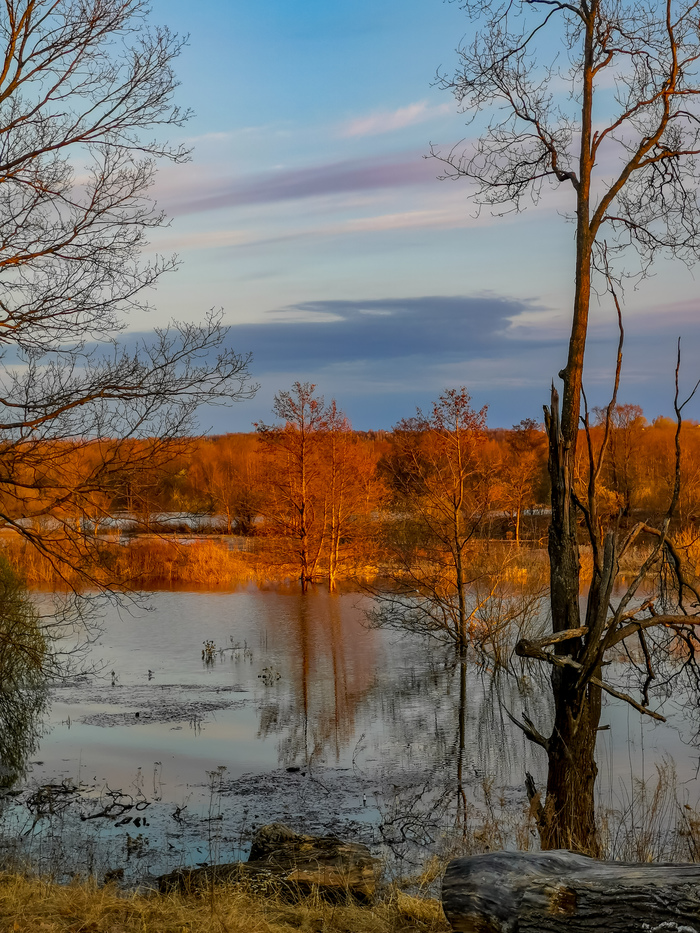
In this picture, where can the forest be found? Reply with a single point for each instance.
(308, 498)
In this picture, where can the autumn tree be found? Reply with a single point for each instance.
(625, 450)
(86, 94)
(321, 484)
(224, 478)
(435, 472)
(352, 491)
(293, 445)
(598, 98)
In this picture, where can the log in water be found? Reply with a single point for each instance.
(283, 861)
(563, 892)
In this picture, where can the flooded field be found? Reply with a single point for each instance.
(207, 715)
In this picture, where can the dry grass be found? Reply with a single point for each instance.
(653, 821)
(155, 562)
(28, 904)
(143, 563)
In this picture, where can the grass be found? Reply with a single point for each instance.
(154, 562)
(30, 904)
(143, 563)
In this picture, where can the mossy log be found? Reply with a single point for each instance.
(282, 861)
(563, 892)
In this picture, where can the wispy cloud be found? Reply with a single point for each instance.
(202, 240)
(213, 137)
(449, 218)
(386, 121)
(350, 175)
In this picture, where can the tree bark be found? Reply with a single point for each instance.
(562, 892)
(568, 817)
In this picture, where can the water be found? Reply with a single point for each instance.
(296, 712)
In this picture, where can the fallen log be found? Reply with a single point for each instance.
(563, 892)
(282, 861)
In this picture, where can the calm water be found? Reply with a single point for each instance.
(380, 730)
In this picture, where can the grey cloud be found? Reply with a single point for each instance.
(366, 174)
(380, 358)
(432, 327)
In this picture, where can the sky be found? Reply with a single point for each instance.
(311, 216)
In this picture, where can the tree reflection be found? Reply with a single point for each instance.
(329, 672)
(423, 728)
(465, 797)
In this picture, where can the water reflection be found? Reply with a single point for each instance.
(468, 794)
(330, 669)
(397, 740)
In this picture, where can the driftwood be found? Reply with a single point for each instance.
(290, 863)
(562, 892)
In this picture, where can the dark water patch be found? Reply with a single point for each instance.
(145, 716)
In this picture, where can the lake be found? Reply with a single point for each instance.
(209, 714)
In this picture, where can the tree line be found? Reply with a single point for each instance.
(328, 499)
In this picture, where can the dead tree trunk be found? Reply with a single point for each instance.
(568, 817)
(562, 892)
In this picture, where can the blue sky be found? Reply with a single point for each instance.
(310, 215)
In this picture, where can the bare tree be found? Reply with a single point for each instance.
(446, 580)
(599, 98)
(86, 90)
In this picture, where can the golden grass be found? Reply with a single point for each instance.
(30, 904)
(143, 563)
(153, 562)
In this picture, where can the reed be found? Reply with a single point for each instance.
(164, 562)
(142, 563)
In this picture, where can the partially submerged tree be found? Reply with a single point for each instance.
(600, 99)
(320, 483)
(447, 581)
(434, 471)
(85, 93)
(352, 491)
(293, 444)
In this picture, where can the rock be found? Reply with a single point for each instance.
(563, 892)
(292, 863)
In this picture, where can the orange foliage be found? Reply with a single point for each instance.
(62, 498)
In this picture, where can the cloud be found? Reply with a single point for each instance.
(382, 357)
(213, 137)
(349, 175)
(431, 328)
(208, 239)
(387, 121)
(449, 218)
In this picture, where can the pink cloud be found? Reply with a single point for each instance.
(400, 170)
(389, 120)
